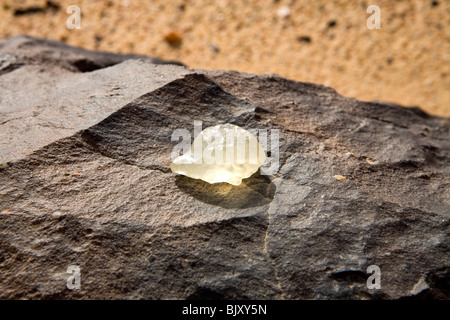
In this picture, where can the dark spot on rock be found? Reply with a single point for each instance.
(349, 276)
(258, 109)
(85, 65)
(434, 3)
(389, 60)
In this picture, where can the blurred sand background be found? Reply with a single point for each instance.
(407, 61)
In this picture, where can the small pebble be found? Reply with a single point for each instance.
(371, 161)
(349, 154)
(284, 12)
(35, 245)
(214, 48)
(340, 178)
(56, 215)
(321, 147)
(173, 38)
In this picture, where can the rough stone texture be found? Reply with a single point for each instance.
(27, 50)
(85, 181)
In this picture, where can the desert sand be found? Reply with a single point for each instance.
(407, 61)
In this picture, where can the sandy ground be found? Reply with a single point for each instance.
(407, 61)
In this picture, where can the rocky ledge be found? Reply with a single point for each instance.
(84, 180)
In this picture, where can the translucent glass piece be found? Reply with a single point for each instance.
(223, 153)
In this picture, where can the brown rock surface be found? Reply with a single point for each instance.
(84, 181)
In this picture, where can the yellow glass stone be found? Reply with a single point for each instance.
(222, 153)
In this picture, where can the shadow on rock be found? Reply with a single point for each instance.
(255, 191)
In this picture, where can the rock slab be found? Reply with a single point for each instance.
(85, 152)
